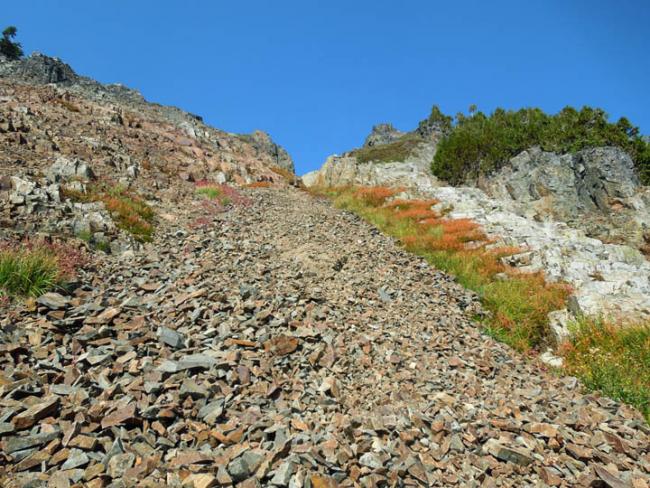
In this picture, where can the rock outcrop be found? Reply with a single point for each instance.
(265, 145)
(38, 69)
(607, 279)
(346, 170)
(382, 134)
(596, 190)
(413, 168)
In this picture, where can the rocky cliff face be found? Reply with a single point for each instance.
(595, 190)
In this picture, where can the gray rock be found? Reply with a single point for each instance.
(18, 443)
(76, 459)
(371, 460)
(119, 463)
(65, 169)
(283, 474)
(171, 337)
(190, 361)
(596, 190)
(514, 455)
(245, 465)
(192, 389)
(211, 412)
(53, 301)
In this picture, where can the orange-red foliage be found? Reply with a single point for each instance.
(375, 195)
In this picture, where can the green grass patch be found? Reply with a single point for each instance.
(614, 360)
(212, 193)
(28, 272)
(385, 153)
(33, 267)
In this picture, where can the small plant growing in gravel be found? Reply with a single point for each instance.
(224, 194)
(30, 268)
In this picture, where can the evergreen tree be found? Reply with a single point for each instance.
(12, 50)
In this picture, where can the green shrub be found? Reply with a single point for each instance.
(385, 153)
(480, 143)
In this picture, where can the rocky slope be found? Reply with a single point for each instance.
(265, 339)
(582, 218)
(60, 131)
(285, 343)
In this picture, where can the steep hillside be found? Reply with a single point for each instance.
(175, 312)
(64, 139)
(287, 343)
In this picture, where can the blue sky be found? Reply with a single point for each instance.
(318, 74)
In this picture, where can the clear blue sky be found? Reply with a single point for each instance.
(318, 74)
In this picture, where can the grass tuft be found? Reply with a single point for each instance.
(223, 194)
(611, 359)
(31, 268)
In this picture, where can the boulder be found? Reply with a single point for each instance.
(65, 169)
